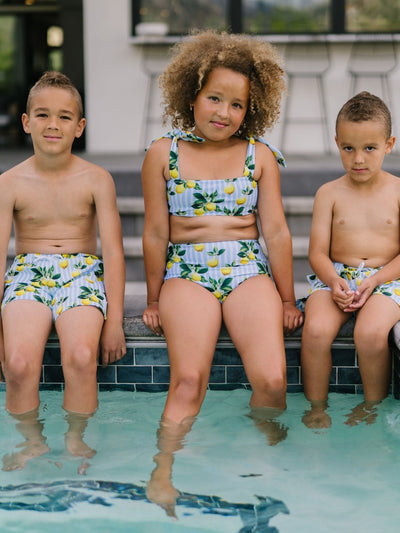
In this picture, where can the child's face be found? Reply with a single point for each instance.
(362, 147)
(53, 120)
(221, 105)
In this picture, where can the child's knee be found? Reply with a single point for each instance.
(18, 367)
(81, 360)
(318, 331)
(189, 387)
(369, 335)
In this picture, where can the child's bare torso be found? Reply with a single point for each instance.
(55, 213)
(365, 223)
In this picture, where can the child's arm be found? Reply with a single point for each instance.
(319, 248)
(7, 211)
(112, 339)
(156, 229)
(277, 236)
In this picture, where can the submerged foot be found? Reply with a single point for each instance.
(18, 460)
(364, 412)
(317, 417)
(76, 447)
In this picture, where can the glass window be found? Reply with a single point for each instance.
(378, 16)
(286, 16)
(181, 16)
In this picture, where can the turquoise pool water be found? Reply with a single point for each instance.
(229, 479)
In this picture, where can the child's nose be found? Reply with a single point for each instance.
(359, 156)
(53, 122)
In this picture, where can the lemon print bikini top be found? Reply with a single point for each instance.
(231, 197)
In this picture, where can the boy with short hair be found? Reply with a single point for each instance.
(354, 253)
(57, 201)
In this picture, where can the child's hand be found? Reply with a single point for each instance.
(112, 342)
(342, 295)
(151, 318)
(292, 317)
(362, 294)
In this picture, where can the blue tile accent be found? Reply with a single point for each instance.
(344, 356)
(347, 376)
(127, 359)
(236, 374)
(226, 356)
(217, 374)
(293, 375)
(293, 356)
(151, 356)
(52, 356)
(53, 374)
(161, 374)
(106, 374)
(134, 374)
(146, 366)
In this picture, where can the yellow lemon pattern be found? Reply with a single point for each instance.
(199, 197)
(354, 277)
(60, 281)
(219, 267)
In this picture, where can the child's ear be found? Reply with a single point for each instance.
(390, 144)
(25, 122)
(80, 127)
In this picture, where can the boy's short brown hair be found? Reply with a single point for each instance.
(366, 106)
(58, 80)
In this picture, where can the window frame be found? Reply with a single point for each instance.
(234, 18)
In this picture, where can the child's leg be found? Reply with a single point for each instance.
(374, 322)
(30, 427)
(26, 327)
(191, 320)
(79, 331)
(323, 319)
(254, 318)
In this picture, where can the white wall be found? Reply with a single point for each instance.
(116, 86)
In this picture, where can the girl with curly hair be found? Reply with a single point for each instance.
(204, 184)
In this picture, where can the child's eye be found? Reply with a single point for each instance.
(214, 98)
(65, 117)
(238, 106)
(370, 148)
(41, 115)
(347, 148)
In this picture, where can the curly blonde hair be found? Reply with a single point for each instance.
(194, 59)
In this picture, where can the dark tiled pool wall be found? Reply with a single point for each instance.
(145, 367)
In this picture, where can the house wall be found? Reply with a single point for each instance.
(119, 70)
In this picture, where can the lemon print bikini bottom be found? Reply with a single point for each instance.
(218, 266)
(60, 281)
(354, 277)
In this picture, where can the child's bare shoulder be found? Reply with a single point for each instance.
(159, 147)
(95, 174)
(330, 187)
(9, 178)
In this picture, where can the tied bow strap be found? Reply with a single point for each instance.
(185, 135)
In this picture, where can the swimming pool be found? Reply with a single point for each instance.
(229, 479)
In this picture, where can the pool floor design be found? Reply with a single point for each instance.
(62, 496)
(229, 479)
